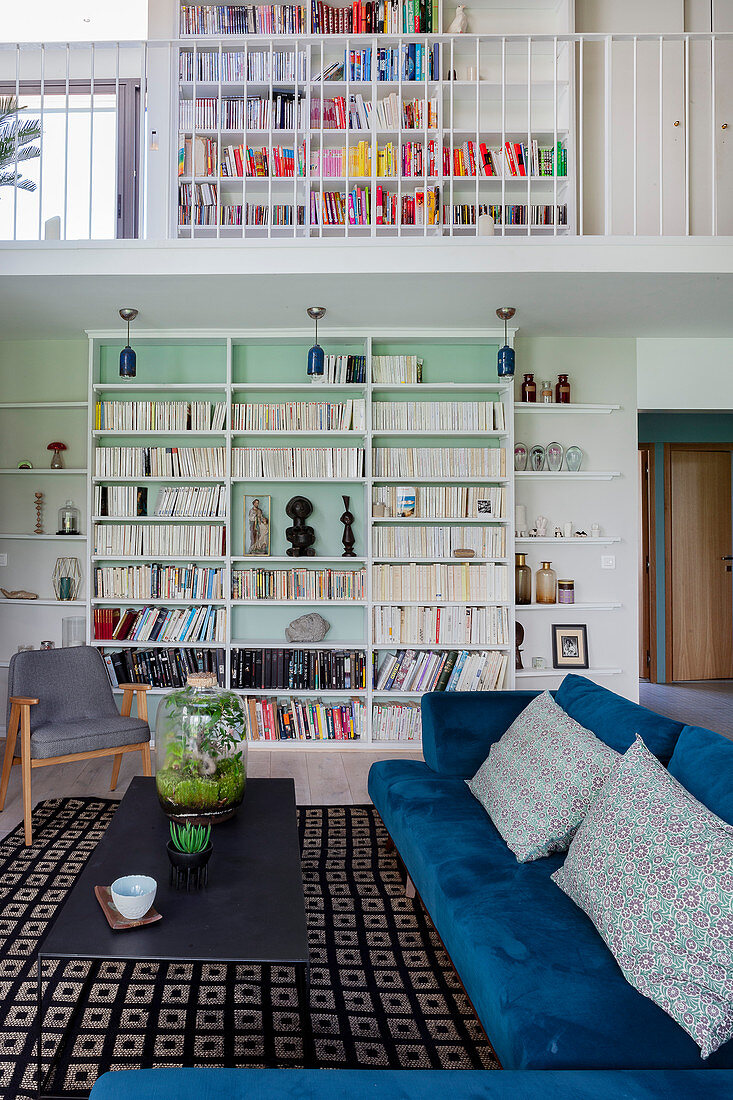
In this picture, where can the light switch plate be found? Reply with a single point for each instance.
(3, 559)
(608, 561)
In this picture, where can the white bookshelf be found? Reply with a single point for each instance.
(240, 355)
(491, 88)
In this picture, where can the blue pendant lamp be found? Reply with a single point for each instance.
(128, 359)
(505, 357)
(315, 354)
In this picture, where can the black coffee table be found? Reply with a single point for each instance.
(253, 910)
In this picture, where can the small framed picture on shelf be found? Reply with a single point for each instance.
(569, 646)
(405, 501)
(257, 526)
(484, 508)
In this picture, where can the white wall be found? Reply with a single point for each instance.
(601, 371)
(685, 374)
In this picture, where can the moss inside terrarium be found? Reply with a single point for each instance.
(184, 791)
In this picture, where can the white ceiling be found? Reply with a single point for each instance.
(41, 303)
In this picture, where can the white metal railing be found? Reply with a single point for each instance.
(642, 121)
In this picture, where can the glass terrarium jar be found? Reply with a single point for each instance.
(68, 519)
(201, 753)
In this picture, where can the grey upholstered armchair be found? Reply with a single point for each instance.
(62, 702)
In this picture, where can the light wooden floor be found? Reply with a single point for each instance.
(322, 778)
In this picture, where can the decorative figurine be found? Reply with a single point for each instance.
(460, 21)
(347, 538)
(558, 533)
(39, 514)
(308, 628)
(18, 594)
(541, 526)
(57, 463)
(300, 536)
(518, 639)
(25, 464)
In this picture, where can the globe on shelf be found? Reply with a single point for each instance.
(201, 753)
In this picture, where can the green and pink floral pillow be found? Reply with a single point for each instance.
(540, 778)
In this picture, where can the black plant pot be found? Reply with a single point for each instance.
(189, 870)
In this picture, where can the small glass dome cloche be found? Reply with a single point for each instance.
(201, 752)
(68, 519)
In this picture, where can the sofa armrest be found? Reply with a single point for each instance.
(459, 727)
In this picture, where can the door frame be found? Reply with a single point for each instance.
(648, 592)
(669, 448)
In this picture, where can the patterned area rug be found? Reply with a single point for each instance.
(383, 992)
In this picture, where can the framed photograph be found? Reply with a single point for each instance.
(257, 526)
(569, 646)
(406, 500)
(483, 508)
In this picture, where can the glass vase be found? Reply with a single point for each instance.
(68, 519)
(546, 584)
(522, 580)
(201, 753)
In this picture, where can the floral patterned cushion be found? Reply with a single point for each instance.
(653, 869)
(540, 778)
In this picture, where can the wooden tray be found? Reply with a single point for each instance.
(116, 921)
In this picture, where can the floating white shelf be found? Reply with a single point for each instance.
(532, 673)
(46, 538)
(602, 540)
(44, 470)
(555, 407)
(608, 606)
(43, 405)
(569, 475)
(43, 603)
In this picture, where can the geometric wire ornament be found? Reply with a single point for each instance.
(66, 578)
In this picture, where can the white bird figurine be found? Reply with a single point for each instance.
(460, 21)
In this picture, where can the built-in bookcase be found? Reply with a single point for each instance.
(458, 375)
(378, 135)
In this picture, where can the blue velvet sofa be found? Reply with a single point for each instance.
(543, 983)
(362, 1084)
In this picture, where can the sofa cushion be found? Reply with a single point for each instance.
(544, 985)
(87, 734)
(703, 763)
(539, 779)
(420, 1084)
(617, 720)
(653, 869)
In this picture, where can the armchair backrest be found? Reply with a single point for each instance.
(68, 683)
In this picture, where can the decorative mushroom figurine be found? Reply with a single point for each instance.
(57, 463)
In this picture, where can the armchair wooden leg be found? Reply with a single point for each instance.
(25, 760)
(115, 770)
(11, 737)
(145, 753)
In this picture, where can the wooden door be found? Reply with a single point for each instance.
(699, 580)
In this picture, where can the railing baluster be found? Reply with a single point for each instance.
(66, 142)
(91, 140)
(502, 154)
(608, 83)
(713, 138)
(581, 131)
(17, 124)
(687, 135)
(661, 136)
(40, 143)
(117, 190)
(634, 137)
(555, 158)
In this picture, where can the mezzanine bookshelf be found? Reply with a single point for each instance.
(359, 133)
(249, 368)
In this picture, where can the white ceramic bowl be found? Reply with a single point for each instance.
(133, 895)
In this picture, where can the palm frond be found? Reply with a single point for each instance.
(9, 179)
(17, 143)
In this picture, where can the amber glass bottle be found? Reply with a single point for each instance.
(546, 584)
(562, 390)
(522, 580)
(529, 388)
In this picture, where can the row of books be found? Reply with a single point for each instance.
(192, 500)
(413, 61)
(252, 213)
(198, 156)
(169, 540)
(298, 584)
(158, 582)
(221, 19)
(441, 625)
(396, 722)
(280, 111)
(391, 369)
(120, 500)
(161, 624)
(439, 461)
(512, 214)
(298, 462)
(335, 208)
(159, 462)
(375, 17)
(340, 369)
(439, 501)
(442, 670)
(163, 668)
(354, 160)
(299, 669)
(436, 543)
(304, 720)
(311, 416)
(519, 160)
(440, 581)
(390, 113)
(454, 416)
(229, 65)
(161, 416)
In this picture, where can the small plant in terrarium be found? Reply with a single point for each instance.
(201, 770)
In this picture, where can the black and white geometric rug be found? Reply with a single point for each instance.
(383, 992)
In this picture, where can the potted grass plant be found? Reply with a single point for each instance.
(189, 850)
